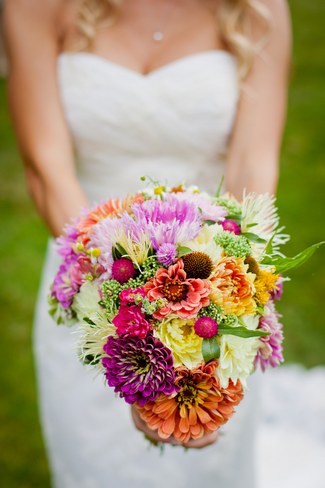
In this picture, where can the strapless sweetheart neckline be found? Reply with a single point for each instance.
(220, 53)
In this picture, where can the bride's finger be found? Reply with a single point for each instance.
(206, 440)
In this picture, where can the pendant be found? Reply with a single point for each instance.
(158, 36)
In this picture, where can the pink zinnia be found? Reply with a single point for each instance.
(131, 320)
(185, 296)
(270, 352)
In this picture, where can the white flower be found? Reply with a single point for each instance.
(261, 211)
(94, 333)
(205, 242)
(236, 361)
(85, 302)
(249, 321)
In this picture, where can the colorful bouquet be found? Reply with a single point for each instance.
(176, 291)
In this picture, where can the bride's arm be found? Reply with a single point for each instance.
(253, 155)
(32, 39)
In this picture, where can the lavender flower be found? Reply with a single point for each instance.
(209, 210)
(66, 243)
(67, 281)
(139, 369)
(166, 254)
(103, 237)
(270, 352)
(170, 221)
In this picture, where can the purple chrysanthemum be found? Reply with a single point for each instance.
(270, 352)
(166, 254)
(170, 221)
(231, 226)
(139, 369)
(67, 281)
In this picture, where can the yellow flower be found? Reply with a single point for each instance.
(178, 334)
(232, 287)
(264, 284)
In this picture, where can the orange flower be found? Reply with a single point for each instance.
(200, 407)
(185, 296)
(232, 287)
(112, 208)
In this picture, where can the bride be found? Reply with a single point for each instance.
(101, 93)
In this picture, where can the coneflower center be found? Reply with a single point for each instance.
(175, 291)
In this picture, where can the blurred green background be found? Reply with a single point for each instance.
(23, 238)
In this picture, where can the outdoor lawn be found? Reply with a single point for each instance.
(23, 238)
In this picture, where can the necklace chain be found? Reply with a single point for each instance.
(158, 34)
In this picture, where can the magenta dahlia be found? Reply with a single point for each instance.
(139, 369)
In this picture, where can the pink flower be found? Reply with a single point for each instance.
(123, 270)
(185, 296)
(131, 320)
(270, 352)
(206, 327)
(231, 226)
(131, 294)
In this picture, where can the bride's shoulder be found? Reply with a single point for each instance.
(43, 18)
(40, 12)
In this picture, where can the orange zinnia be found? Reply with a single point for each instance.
(232, 286)
(200, 407)
(112, 208)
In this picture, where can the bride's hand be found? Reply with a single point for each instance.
(206, 440)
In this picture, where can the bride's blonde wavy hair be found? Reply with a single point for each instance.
(234, 20)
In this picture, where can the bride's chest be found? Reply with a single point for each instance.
(191, 101)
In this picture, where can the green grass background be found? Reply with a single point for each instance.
(23, 237)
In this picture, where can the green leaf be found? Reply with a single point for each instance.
(269, 245)
(234, 216)
(183, 250)
(251, 225)
(210, 222)
(210, 349)
(242, 332)
(115, 253)
(88, 321)
(283, 264)
(121, 250)
(218, 192)
(253, 237)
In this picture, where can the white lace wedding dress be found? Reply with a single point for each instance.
(172, 125)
